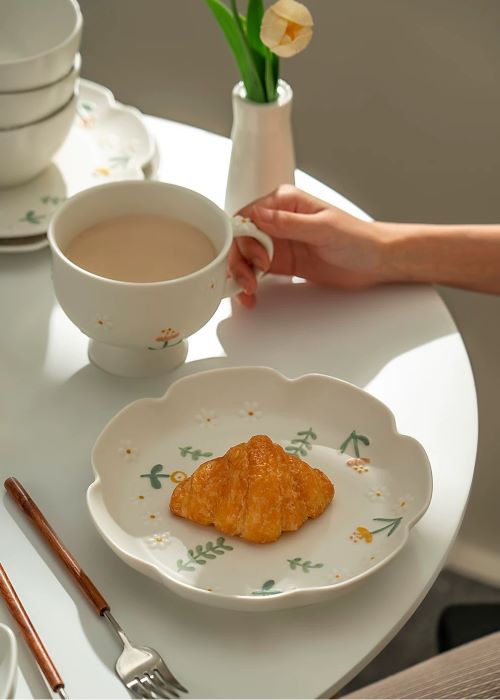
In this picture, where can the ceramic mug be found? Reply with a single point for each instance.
(139, 329)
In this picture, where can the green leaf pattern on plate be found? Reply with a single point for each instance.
(267, 588)
(306, 566)
(302, 444)
(155, 475)
(200, 555)
(195, 454)
(355, 438)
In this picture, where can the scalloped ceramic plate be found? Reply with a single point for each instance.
(108, 141)
(8, 662)
(382, 479)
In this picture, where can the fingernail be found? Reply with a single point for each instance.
(258, 264)
(242, 282)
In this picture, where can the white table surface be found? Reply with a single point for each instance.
(399, 343)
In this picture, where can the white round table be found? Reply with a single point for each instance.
(398, 342)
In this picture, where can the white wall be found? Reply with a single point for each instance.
(397, 106)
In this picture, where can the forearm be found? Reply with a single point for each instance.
(458, 256)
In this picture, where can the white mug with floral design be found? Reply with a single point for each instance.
(139, 329)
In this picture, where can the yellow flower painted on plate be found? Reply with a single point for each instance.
(178, 476)
(361, 533)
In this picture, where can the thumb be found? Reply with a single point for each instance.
(280, 223)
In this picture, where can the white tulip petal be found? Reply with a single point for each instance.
(289, 48)
(272, 29)
(293, 11)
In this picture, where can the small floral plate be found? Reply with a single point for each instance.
(108, 141)
(382, 479)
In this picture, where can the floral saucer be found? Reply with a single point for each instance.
(108, 141)
(383, 486)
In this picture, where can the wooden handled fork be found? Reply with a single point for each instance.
(141, 669)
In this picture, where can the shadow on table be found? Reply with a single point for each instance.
(304, 328)
(26, 316)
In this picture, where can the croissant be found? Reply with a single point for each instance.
(256, 490)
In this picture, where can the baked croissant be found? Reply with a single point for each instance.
(256, 490)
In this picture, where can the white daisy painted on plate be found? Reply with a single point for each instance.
(403, 502)
(379, 493)
(128, 451)
(250, 411)
(337, 575)
(372, 558)
(139, 500)
(151, 517)
(103, 321)
(159, 540)
(206, 418)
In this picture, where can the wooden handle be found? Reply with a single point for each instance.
(25, 502)
(29, 632)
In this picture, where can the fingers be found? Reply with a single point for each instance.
(307, 228)
(241, 271)
(253, 252)
(288, 198)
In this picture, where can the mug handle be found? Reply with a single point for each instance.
(245, 227)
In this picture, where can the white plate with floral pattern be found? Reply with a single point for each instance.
(383, 485)
(108, 141)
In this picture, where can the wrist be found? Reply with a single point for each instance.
(402, 252)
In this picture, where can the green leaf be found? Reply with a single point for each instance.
(157, 468)
(155, 482)
(209, 555)
(363, 439)
(199, 548)
(233, 28)
(268, 584)
(255, 12)
(252, 77)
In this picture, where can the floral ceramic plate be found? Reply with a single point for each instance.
(107, 142)
(8, 662)
(382, 479)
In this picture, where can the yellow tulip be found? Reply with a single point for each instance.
(286, 28)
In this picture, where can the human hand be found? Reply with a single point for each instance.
(312, 239)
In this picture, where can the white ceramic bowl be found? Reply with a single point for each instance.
(38, 42)
(27, 150)
(27, 106)
(8, 662)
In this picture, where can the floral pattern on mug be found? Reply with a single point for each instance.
(103, 321)
(167, 337)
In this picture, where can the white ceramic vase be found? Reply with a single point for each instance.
(262, 155)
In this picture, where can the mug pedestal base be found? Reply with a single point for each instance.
(127, 362)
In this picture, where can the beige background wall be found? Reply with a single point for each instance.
(397, 107)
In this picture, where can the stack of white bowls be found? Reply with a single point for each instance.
(39, 69)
